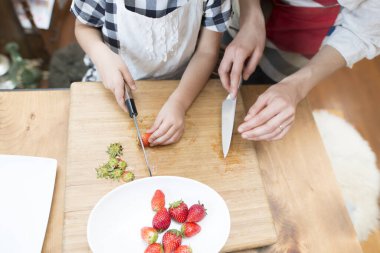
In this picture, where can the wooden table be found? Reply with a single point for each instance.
(304, 197)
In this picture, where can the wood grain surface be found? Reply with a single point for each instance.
(310, 218)
(34, 123)
(306, 202)
(96, 121)
(356, 94)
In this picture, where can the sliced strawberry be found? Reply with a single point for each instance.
(161, 220)
(189, 229)
(196, 213)
(178, 210)
(145, 139)
(149, 235)
(171, 240)
(183, 249)
(154, 248)
(158, 201)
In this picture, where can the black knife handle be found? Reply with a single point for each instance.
(130, 104)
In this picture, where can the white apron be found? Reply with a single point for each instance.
(158, 48)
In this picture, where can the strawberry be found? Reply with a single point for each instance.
(178, 210)
(149, 235)
(158, 201)
(171, 240)
(189, 229)
(145, 139)
(154, 248)
(196, 213)
(161, 220)
(183, 249)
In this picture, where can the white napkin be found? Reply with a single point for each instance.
(26, 191)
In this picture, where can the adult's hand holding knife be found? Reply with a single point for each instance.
(131, 107)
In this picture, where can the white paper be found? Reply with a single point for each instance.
(26, 191)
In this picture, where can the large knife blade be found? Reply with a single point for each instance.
(130, 104)
(228, 119)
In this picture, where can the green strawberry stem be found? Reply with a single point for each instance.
(202, 206)
(114, 150)
(175, 231)
(175, 204)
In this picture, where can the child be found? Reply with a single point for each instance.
(130, 40)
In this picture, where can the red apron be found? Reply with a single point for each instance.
(301, 29)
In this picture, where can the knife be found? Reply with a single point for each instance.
(228, 118)
(130, 104)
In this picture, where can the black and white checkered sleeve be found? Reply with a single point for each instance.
(216, 15)
(89, 12)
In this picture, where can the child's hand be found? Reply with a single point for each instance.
(169, 125)
(114, 74)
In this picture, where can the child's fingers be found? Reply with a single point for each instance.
(155, 126)
(119, 95)
(159, 132)
(175, 138)
(166, 136)
(128, 77)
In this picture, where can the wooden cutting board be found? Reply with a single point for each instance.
(96, 121)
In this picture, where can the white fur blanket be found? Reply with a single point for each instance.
(354, 165)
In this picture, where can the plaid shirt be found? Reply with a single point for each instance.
(101, 13)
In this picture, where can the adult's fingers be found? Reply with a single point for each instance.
(252, 63)
(128, 77)
(235, 75)
(119, 95)
(262, 117)
(160, 140)
(281, 134)
(270, 129)
(272, 124)
(225, 69)
(260, 103)
(278, 134)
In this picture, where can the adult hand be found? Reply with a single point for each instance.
(115, 75)
(169, 125)
(243, 54)
(272, 115)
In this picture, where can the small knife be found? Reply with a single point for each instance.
(228, 118)
(130, 104)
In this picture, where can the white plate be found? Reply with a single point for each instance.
(26, 191)
(115, 222)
